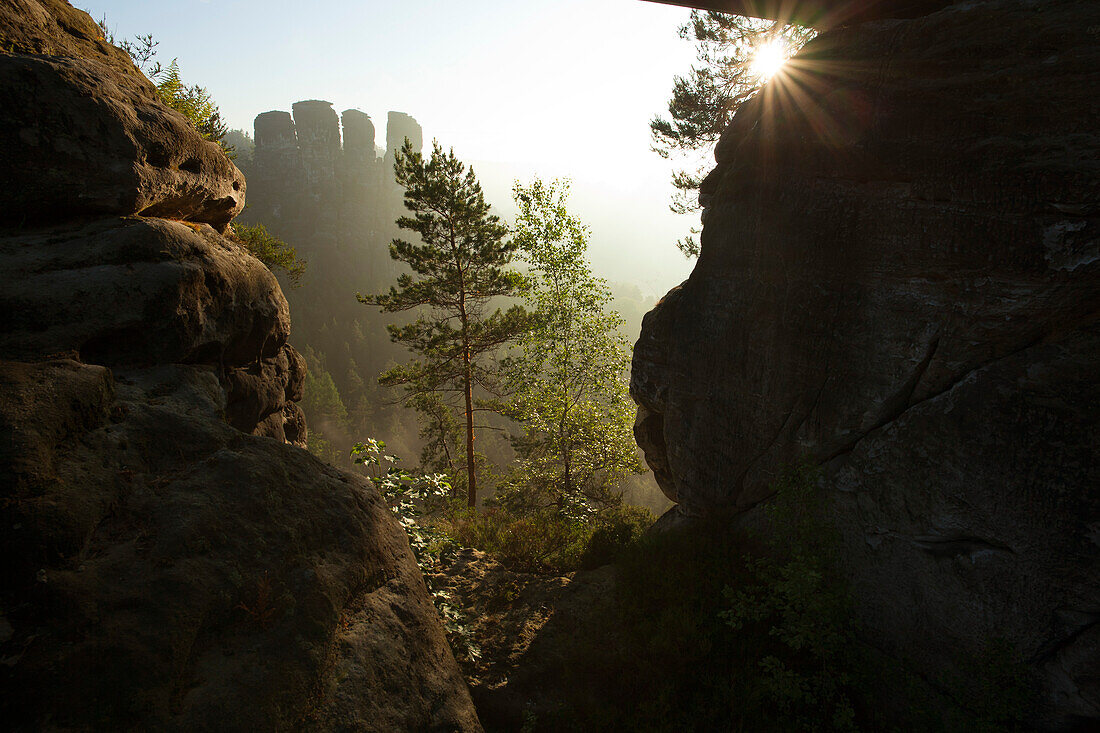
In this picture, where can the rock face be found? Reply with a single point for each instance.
(899, 280)
(112, 147)
(334, 198)
(318, 133)
(319, 184)
(171, 561)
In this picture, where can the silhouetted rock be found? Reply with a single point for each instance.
(398, 127)
(326, 191)
(358, 135)
(318, 131)
(276, 160)
(899, 277)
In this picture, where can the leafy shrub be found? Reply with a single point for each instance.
(192, 101)
(614, 532)
(795, 601)
(410, 496)
(270, 250)
(542, 541)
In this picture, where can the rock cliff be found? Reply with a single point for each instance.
(172, 561)
(319, 184)
(900, 281)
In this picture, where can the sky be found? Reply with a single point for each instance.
(555, 88)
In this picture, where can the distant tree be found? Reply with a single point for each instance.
(568, 386)
(459, 270)
(324, 408)
(727, 74)
(242, 144)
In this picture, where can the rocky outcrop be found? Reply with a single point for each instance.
(165, 571)
(319, 184)
(318, 133)
(112, 148)
(899, 279)
(171, 561)
(358, 135)
(334, 198)
(399, 127)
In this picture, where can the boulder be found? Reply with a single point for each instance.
(899, 278)
(171, 561)
(164, 571)
(138, 291)
(97, 139)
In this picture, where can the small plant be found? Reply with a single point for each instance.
(270, 250)
(262, 611)
(795, 598)
(413, 497)
(410, 496)
(191, 100)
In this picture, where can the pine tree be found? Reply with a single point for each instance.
(724, 77)
(459, 270)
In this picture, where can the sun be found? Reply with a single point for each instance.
(769, 59)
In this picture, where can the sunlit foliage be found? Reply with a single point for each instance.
(191, 100)
(735, 56)
(272, 251)
(567, 385)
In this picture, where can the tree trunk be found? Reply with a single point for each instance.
(471, 486)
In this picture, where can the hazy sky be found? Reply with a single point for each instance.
(519, 87)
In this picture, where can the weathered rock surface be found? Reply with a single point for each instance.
(126, 292)
(168, 565)
(87, 135)
(165, 571)
(900, 279)
(138, 291)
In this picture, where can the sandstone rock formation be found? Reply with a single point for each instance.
(320, 185)
(309, 180)
(171, 562)
(899, 279)
(112, 147)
